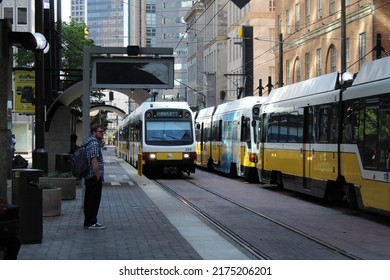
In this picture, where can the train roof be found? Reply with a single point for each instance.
(305, 88)
(372, 79)
(373, 71)
(238, 104)
(206, 112)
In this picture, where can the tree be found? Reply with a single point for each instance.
(73, 43)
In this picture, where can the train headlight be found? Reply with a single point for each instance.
(186, 155)
(152, 156)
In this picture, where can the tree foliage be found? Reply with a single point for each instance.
(73, 43)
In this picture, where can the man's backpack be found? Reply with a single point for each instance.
(79, 162)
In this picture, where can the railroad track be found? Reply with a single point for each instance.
(247, 242)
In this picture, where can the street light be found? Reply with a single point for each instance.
(8, 38)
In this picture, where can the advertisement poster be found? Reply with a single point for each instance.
(24, 91)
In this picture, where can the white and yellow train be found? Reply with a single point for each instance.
(159, 137)
(226, 137)
(317, 137)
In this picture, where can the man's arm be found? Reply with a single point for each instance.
(95, 167)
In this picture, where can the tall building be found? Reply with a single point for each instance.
(312, 37)
(171, 33)
(259, 17)
(217, 43)
(195, 21)
(77, 10)
(108, 22)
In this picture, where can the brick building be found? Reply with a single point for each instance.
(311, 36)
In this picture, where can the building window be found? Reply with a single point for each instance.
(319, 9)
(9, 14)
(297, 70)
(288, 26)
(319, 62)
(297, 17)
(332, 7)
(307, 66)
(272, 6)
(362, 48)
(22, 16)
(333, 65)
(279, 24)
(308, 21)
(288, 79)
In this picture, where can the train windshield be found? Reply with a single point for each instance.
(168, 133)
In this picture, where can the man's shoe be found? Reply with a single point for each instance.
(97, 226)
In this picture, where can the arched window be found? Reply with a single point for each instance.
(297, 71)
(331, 60)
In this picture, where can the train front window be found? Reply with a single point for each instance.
(168, 133)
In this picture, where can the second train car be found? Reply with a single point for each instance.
(159, 137)
(225, 137)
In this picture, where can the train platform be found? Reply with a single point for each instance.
(143, 222)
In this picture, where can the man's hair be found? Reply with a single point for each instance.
(95, 127)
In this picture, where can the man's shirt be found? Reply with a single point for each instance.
(93, 149)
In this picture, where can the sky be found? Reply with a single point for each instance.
(65, 7)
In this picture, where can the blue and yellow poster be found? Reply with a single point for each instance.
(24, 94)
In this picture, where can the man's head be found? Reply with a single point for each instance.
(98, 131)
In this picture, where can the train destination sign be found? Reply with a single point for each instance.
(167, 114)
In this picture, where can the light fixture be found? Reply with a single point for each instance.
(29, 41)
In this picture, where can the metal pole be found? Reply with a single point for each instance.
(5, 102)
(280, 82)
(40, 158)
(343, 38)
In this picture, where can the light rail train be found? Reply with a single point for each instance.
(159, 137)
(226, 136)
(319, 137)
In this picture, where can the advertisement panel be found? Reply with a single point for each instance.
(24, 94)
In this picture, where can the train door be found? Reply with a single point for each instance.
(227, 143)
(307, 145)
(198, 138)
(260, 139)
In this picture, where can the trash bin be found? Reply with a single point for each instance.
(62, 163)
(28, 196)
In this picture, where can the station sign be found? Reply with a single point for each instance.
(133, 72)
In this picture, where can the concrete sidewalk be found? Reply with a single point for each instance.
(143, 223)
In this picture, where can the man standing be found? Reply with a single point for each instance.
(94, 179)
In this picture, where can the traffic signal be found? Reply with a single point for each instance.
(85, 32)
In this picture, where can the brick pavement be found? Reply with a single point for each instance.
(143, 223)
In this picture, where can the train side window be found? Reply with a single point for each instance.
(370, 152)
(323, 128)
(384, 134)
(273, 128)
(351, 122)
(283, 128)
(293, 127)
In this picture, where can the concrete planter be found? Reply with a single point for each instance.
(67, 185)
(51, 202)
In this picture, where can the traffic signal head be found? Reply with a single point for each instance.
(86, 33)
